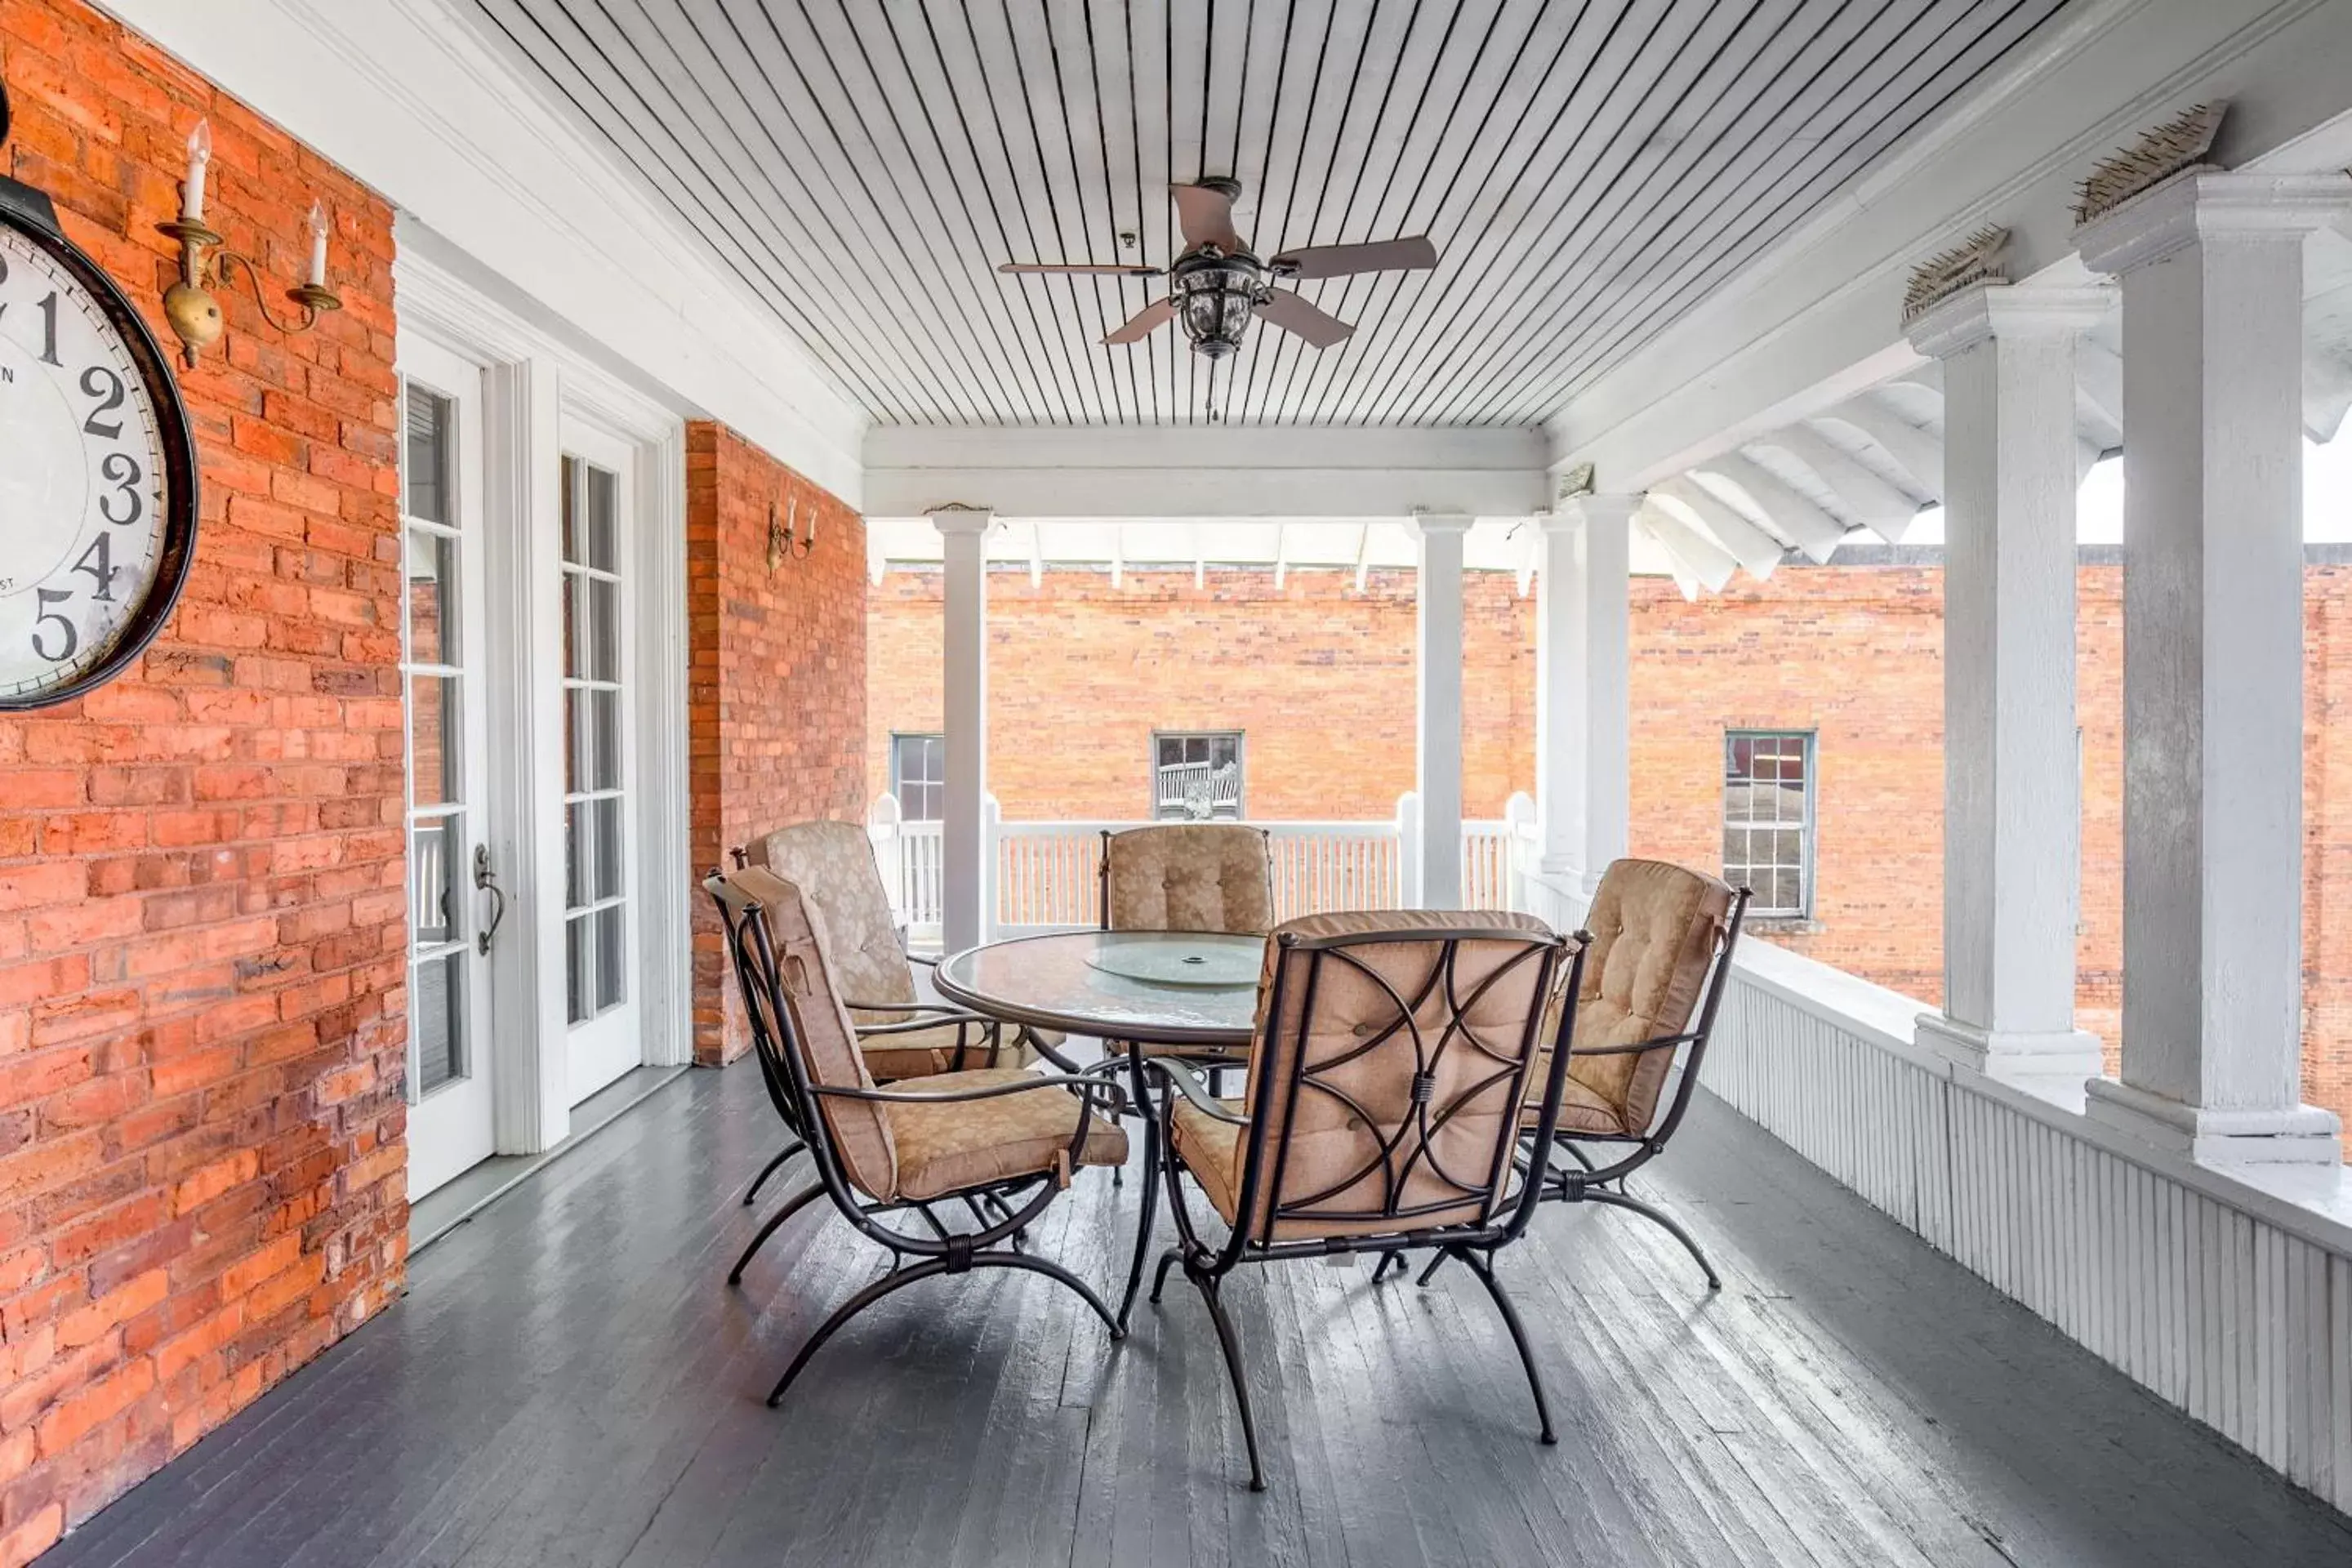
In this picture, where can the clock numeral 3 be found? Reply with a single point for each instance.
(72, 639)
(99, 381)
(124, 471)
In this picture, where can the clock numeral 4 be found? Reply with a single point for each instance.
(97, 563)
(71, 638)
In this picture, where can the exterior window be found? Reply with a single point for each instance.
(1197, 777)
(919, 776)
(1768, 819)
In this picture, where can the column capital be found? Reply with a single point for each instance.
(1422, 524)
(2006, 311)
(950, 520)
(1606, 509)
(2211, 204)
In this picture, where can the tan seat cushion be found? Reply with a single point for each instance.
(919, 1053)
(1190, 876)
(1654, 928)
(949, 1146)
(1212, 1150)
(833, 865)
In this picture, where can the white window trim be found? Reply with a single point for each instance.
(1239, 739)
(1811, 739)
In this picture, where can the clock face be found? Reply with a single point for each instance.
(92, 540)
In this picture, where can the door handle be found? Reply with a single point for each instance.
(489, 883)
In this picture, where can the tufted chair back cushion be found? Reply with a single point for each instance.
(821, 1032)
(1189, 876)
(1654, 928)
(833, 865)
(1380, 1014)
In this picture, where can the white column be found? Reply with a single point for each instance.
(1438, 691)
(1583, 662)
(2211, 266)
(963, 835)
(2012, 806)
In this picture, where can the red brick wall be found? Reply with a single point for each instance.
(775, 679)
(1321, 679)
(1318, 678)
(202, 959)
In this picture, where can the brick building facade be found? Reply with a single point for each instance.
(1319, 679)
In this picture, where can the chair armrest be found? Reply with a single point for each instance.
(1189, 1085)
(925, 962)
(908, 1007)
(1663, 1043)
(1090, 1083)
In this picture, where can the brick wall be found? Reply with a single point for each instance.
(775, 679)
(1320, 678)
(201, 960)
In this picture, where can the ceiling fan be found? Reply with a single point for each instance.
(1217, 285)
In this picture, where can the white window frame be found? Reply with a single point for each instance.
(1808, 741)
(898, 775)
(1240, 738)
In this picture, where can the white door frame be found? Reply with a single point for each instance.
(534, 381)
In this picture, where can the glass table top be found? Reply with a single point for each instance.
(1161, 987)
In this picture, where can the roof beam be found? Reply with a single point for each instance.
(1691, 551)
(1790, 515)
(1915, 452)
(1871, 499)
(1753, 548)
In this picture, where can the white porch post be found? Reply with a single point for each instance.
(2012, 811)
(963, 835)
(1582, 703)
(2211, 265)
(1439, 717)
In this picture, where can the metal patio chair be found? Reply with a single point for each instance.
(1003, 1141)
(1663, 936)
(1395, 1050)
(833, 863)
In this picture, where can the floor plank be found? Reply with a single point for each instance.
(570, 1381)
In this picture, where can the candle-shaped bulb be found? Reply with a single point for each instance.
(317, 277)
(200, 158)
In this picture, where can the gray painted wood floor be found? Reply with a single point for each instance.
(570, 1381)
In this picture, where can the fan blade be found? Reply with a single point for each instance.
(1339, 260)
(1144, 323)
(1110, 269)
(1205, 216)
(1296, 316)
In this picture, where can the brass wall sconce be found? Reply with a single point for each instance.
(783, 544)
(205, 260)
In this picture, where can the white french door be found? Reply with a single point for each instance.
(600, 906)
(445, 674)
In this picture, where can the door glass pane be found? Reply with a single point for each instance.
(577, 962)
(610, 969)
(427, 455)
(433, 737)
(432, 597)
(436, 915)
(440, 1021)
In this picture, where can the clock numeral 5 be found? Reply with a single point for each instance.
(72, 639)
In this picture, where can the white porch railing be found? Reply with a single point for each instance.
(1048, 873)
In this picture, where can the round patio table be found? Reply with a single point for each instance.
(1193, 989)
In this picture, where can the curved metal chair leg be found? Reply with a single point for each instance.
(770, 1168)
(1484, 1269)
(792, 1206)
(1160, 1280)
(1435, 1264)
(1232, 1347)
(1673, 1226)
(1149, 1211)
(1056, 1272)
(897, 1279)
(1380, 1269)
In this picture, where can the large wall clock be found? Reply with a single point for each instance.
(98, 470)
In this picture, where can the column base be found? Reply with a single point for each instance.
(2067, 1056)
(2295, 1135)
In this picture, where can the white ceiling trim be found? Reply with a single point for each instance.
(404, 96)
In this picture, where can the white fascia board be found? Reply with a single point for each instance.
(1818, 317)
(1105, 471)
(409, 99)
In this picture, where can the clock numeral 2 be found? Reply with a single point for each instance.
(99, 381)
(72, 639)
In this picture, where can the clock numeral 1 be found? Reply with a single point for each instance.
(101, 571)
(49, 329)
(48, 597)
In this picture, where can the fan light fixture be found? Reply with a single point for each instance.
(1217, 297)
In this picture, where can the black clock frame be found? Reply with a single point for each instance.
(31, 212)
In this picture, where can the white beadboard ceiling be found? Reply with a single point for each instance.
(1589, 169)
